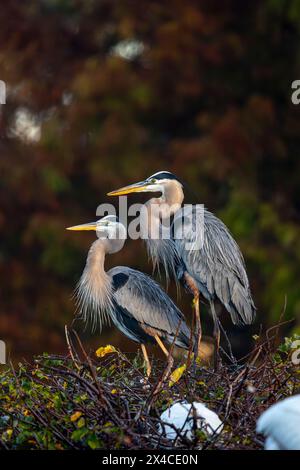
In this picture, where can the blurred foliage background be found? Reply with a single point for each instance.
(104, 93)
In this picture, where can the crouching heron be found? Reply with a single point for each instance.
(133, 301)
(216, 270)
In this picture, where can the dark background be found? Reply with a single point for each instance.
(103, 93)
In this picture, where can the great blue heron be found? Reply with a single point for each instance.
(216, 269)
(134, 302)
(281, 425)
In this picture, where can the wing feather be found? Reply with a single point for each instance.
(218, 267)
(147, 303)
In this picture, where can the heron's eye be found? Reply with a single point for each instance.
(153, 181)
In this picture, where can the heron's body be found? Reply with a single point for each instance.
(132, 300)
(281, 425)
(216, 269)
(139, 300)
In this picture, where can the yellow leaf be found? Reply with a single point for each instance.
(101, 352)
(176, 375)
(75, 416)
(201, 383)
(114, 391)
(9, 432)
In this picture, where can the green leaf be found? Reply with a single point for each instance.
(81, 422)
(78, 434)
(94, 442)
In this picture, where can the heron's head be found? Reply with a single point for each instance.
(108, 229)
(163, 181)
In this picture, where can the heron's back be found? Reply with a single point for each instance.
(218, 267)
(146, 308)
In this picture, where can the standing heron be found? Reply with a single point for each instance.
(216, 270)
(133, 301)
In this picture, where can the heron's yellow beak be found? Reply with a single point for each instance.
(89, 226)
(132, 188)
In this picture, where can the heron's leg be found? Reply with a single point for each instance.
(146, 357)
(190, 282)
(165, 351)
(161, 345)
(216, 333)
(197, 324)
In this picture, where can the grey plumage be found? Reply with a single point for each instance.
(133, 301)
(165, 253)
(218, 267)
(149, 305)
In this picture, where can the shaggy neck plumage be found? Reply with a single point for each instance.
(94, 290)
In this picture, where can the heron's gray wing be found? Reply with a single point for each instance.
(217, 266)
(148, 304)
(126, 323)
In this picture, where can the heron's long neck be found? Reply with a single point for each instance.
(94, 289)
(160, 244)
(162, 208)
(94, 269)
(173, 196)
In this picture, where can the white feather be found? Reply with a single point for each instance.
(270, 444)
(182, 415)
(281, 425)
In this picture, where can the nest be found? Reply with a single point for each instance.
(83, 402)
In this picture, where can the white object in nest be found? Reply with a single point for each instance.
(280, 424)
(182, 415)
